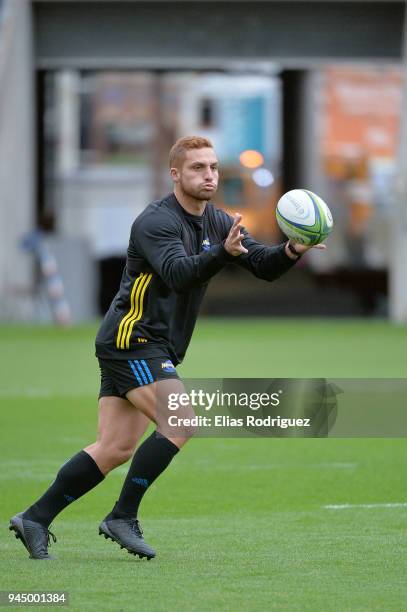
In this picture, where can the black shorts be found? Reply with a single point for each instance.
(118, 376)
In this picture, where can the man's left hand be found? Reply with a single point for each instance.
(301, 248)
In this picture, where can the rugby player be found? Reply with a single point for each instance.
(176, 246)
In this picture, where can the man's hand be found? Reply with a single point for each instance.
(301, 248)
(233, 243)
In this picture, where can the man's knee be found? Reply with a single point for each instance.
(181, 427)
(115, 455)
(189, 431)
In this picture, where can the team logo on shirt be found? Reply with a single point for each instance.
(168, 366)
(206, 245)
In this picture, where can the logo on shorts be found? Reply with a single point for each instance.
(206, 245)
(168, 366)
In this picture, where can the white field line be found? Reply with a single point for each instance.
(335, 465)
(208, 465)
(347, 506)
(36, 392)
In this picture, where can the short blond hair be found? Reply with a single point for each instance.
(179, 149)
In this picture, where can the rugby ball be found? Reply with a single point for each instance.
(304, 217)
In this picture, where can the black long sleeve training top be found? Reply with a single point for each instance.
(171, 257)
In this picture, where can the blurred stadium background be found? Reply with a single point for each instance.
(293, 94)
(93, 94)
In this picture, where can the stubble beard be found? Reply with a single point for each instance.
(200, 194)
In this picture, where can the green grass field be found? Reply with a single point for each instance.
(237, 523)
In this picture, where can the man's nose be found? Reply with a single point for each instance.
(209, 174)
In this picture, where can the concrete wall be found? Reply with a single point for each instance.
(17, 184)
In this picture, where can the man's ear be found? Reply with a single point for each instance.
(175, 175)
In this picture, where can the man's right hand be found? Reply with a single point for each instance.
(233, 243)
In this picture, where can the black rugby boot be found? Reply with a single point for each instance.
(128, 534)
(34, 536)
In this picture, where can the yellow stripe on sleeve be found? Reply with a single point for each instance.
(134, 311)
(131, 311)
(139, 312)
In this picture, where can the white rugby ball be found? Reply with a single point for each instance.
(304, 217)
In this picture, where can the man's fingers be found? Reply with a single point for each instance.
(236, 236)
(235, 231)
(320, 246)
(241, 248)
(236, 221)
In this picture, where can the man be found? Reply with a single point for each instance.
(176, 245)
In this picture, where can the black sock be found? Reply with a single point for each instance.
(75, 478)
(149, 461)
